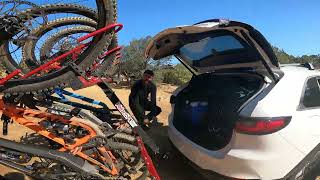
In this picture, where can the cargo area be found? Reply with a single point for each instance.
(207, 109)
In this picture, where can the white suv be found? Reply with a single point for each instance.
(242, 115)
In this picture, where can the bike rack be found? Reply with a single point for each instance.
(92, 80)
(47, 65)
(107, 53)
(10, 76)
(44, 66)
(103, 84)
(102, 30)
(150, 166)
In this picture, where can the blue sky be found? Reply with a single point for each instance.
(293, 25)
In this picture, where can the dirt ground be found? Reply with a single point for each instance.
(171, 169)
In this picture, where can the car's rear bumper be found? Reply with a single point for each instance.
(207, 174)
(246, 157)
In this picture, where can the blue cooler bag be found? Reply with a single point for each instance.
(199, 109)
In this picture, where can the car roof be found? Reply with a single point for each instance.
(299, 70)
(284, 98)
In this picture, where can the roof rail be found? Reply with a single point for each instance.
(308, 65)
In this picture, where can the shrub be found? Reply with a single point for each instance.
(177, 75)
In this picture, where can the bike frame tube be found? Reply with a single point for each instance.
(62, 94)
(18, 115)
(150, 166)
(127, 116)
(44, 66)
(77, 105)
(102, 30)
(10, 76)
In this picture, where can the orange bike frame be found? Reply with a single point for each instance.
(20, 115)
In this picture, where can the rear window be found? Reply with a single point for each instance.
(311, 96)
(210, 46)
(216, 49)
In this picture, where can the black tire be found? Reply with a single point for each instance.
(28, 50)
(51, 41)
(137, 163)
(107, 68)
(117, 148)
(6, 58)
(125, 137)
(118, 143)
(103, 70)
(66, 76)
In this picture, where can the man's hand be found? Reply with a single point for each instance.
(146, 121)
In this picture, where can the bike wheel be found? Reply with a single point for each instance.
(53, 44)
(9, 10)
(31, 48)
(109, 65)
(12, 61)
(66, 76)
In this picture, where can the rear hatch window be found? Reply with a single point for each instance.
(201, 53)
(216, 50)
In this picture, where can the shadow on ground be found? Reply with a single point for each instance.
(13, 176)
(175, 167)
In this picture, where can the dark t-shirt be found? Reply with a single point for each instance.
(140, 92)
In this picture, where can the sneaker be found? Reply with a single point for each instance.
(155, 122)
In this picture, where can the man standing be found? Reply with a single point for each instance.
(139, 101)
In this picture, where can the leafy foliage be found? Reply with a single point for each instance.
(134, 62)
(177, 75)
(282, 56)
(285, 58)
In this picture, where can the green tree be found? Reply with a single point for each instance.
(309, 58)
(134, 62)
(282, 56)
(285, 58)
(177, 75)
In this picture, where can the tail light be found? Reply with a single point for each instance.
(261, 126)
